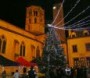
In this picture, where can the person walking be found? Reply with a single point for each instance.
(24, 75)
(16, 74)
(4, 74)
(32, 73)
(68, 71)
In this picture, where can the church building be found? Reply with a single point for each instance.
(28, 44)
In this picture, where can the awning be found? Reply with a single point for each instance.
(7, 62)
(22, 61)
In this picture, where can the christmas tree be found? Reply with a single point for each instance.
(53, 54)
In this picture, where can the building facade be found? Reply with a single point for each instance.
(78, 44)
(16, 42)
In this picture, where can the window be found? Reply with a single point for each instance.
(16, 46)
(30, 12)
(30, 21)
(22, 49)
(35, 13)
(86, 34)
(88, 61)
(87, 46)
(33, 50)
(73, 36)
(35, 20)
(74, 48)
(76, 61)
(41, 20)
(2, 44)
(37, 52)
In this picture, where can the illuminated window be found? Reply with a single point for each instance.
(74, 47)
(76, 61)
(87, 46)
(2, 44)
(22, 49)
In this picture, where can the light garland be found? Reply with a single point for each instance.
(64, 28)
(58, 11)
(70, 11)
(76, 16)
(78, 21)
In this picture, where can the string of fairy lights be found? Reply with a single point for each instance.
(58, 11)
(77, 2)
(83, 19)
(74, 17)
(74, 26)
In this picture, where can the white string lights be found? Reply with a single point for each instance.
(58, 11)
(78, 21)
(75, 16)
(70, 11)
(64, 28)
(78, 24)
(75, 26)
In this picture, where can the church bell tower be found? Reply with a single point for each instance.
(35, 21)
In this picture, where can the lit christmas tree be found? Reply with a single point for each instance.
(53, 54)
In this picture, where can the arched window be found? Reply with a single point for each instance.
(85, 33)
(2, 44)
(35, 20)
(30, 12)
(30, 21)
(16, 46)
(37, 52)
(35, 13)
(22, 49)
(33, 50)
(73, 35)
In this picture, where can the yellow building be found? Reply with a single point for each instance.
(16, 42)
(79, 47)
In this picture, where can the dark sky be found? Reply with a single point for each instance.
(14, 11)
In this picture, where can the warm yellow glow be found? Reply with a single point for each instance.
(16, 36)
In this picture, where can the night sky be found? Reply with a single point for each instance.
(14, 11)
